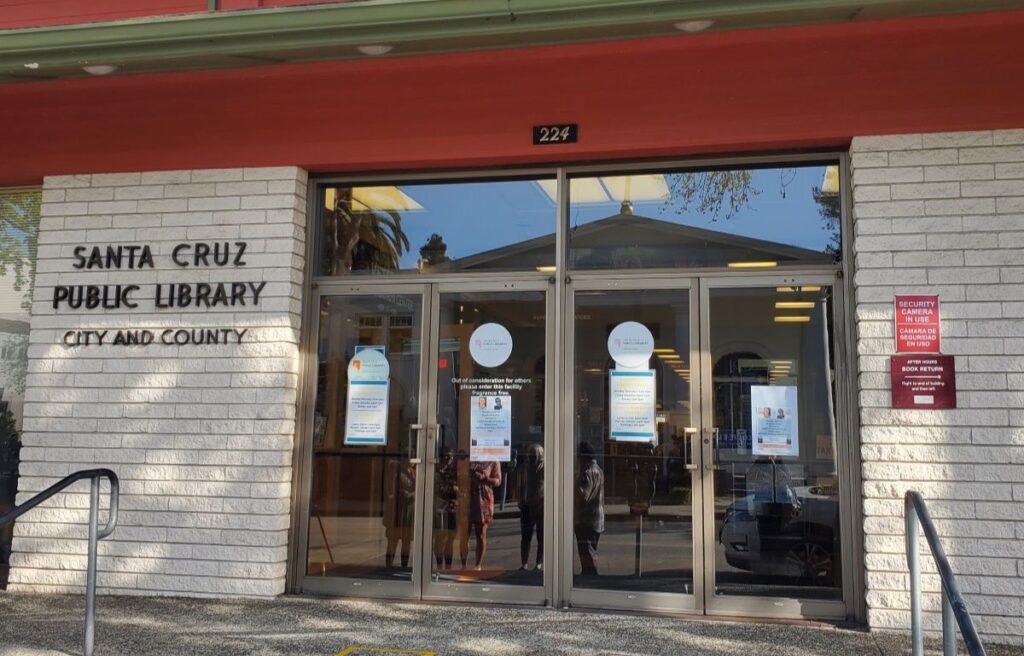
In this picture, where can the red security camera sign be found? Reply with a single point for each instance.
(917, 324)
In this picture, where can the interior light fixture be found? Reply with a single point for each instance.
(670, 351)
(375, 49)
(796, 318)
(99, 69)
(547, 268)
(785, 290)
(692, 26)
(752, 265)
(794, 305)
(811, 288)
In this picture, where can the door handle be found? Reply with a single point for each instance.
(414, 443)
(712, 463)
(688, 460)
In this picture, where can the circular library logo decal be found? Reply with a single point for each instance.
(490, 345)
(631, 344)
(369, 364)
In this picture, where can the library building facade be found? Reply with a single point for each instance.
(690, 294)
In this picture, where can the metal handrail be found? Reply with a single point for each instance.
(953, 607)
(95, 533)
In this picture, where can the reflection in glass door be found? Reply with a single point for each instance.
(487, 449)
(362, 521)
(633, 430)
(770, 451)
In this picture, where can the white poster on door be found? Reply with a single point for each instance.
(366, 401)
(774, 420)
(631, 396)
(490, 428)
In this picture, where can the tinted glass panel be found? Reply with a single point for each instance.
(19, 243)
(506, 225)
(776, 486)
(633, 495)
(745, 218)
(363, 499)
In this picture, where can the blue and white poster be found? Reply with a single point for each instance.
(490, 428)
(366, 403)
(774, 419)
(631, 407)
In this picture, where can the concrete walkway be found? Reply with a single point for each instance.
(37, 625)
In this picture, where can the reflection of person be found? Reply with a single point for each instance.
(446, 504)
(497, 403)
(483, 478)
(398, 513)
(588, 518)
(530, 493)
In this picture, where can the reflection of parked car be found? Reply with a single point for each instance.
(795, 538)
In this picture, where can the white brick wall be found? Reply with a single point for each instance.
(944, 214)
(201, 436)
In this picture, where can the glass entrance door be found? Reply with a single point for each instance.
(631, 441)
(365, 468)
(771, 482)
(488, 444)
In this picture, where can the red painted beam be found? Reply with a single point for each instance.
(38, 13)
(814, 86)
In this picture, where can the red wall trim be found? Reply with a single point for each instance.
(738, 91)
(38, 13)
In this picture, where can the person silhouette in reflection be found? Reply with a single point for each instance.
(530, 497)
(483, 478)
(398, 513)
(588, 516)
(446, 504)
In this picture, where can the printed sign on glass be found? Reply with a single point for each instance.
(917, 324)
(490, 428)
(773, 410)
(631, 345)
(490, 345)
(631, 406)
(366, 402)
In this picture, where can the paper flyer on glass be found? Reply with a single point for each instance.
(632, 416)
(490, 428)
(774, 420)
(366, 402)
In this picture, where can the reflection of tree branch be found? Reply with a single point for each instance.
(711, 193)
(19, 239)
(830, 211)
(365, 240)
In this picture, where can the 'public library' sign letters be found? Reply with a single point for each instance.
(166, 296)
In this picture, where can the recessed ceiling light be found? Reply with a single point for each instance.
(692, 26)
(99, 69)
(375, 50)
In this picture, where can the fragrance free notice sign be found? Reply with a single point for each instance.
(923, 381)
(917, 324)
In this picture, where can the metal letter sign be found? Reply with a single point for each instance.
(917, 324)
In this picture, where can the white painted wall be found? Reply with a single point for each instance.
(201, 436)
(944, 214)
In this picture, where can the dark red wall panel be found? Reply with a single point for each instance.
(739, 91)
(37, 13)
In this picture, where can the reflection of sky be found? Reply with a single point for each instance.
(477, 216)
(792, 219)
(480, 216)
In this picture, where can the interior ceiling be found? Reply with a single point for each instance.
(183, 50)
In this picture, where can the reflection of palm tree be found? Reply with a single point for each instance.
(365, 239)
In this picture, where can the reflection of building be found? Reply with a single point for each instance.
(626, 241)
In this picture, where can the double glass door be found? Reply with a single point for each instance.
(430, 432)
(650, 444)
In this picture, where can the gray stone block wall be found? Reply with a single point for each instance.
(201, 436)
(944, 214)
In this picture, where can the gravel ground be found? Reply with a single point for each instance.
(37, 625)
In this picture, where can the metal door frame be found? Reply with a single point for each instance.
(346, 585)
(760, 606)
(482, 592)
(614, 599)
